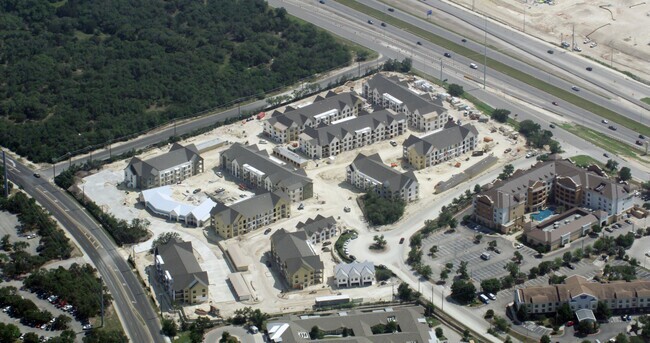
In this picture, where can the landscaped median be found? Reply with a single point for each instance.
(502, 68)
(604, 142)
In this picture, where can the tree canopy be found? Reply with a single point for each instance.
(381, 211)
(79, 73)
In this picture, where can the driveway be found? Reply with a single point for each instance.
(241, 333)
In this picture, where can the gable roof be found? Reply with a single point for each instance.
(392, 86)
(279, 173)
(160, 199)
(325, 134)
(247, 208)
(180, 263)
(316, 225)
(354, 267)
(294, 251)
(321, 105)
(177, 155)
(373, 167)
(450, 135)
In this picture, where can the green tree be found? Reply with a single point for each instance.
(625, 174)
(533, 272)
(462, 271)
(61, 322)
(518, 257)
(489, 314)
(492, 244)
(379, 242)
(508, 169)
(463, 291)
(6, 245)
(501, 324)
(404, 292)
(164, 238)
(316, 333)
(433, 250)
(512, 268)
(567, 257)
(622, 338)
(455, 90)
(564, 314)
(444, 274)
(381, 211)
(500, 115)
(31, 337)
(611, 165)
(9, 333)
(439, 332)
(426, 271)
(603, 311)
(587, 327)
(507, 281)
(258, 318)
(477, 188)
(169, 327)
(545, 339)
(491, 285)
(528, 127)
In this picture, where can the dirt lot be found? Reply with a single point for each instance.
(331, 194)
(613, 25)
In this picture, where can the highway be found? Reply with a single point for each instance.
(396, 43)
(138, 317)
(526, 47)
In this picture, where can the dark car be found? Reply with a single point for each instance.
(613, 128)
(369, 21)
(267, 231)
(383, 24)
(391, 9)
(554, 103)
(642, 136)
(401, 240)
(570, 266)
(606, 154)
(446, 54)
(639, 142)
(589, 68)
(37, 175)
(419, 43)
(464, 40)
(322, 1)
(550, 51)
(552, 126)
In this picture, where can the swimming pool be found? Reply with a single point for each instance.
(543, 214)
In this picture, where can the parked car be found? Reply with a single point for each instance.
(401, 240)
(492, 296)
(301, 206)
(569, 323)
(267, 231)
(570, 266)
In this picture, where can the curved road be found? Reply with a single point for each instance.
(138, 317)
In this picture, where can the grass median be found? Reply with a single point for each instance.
(560, 93)
(607, 143)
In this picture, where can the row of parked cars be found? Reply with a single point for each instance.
(63, 305)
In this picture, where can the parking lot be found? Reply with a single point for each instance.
(9, 225)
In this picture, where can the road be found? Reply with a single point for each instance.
(396, 43)
(136, 313)
(187, 126)
(395, 256)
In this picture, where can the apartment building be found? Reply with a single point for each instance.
(258, 169)
(296, 258)
(580, 294)
(354, 274)
(180, 274)
(557, 182)
(249, 214)
(351, 133)
(286, 127)
(318, 229)
(452, 141)
(178, 164)
(357, 325)
(423, 113)
(371, 174)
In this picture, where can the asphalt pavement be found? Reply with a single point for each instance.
(138, 317)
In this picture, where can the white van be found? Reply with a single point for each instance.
(486, 256)
(473, 66)
(484, 299)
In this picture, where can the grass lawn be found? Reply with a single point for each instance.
(560, 93)
(183, 337)
(339, 245)
(646, 100)
(111, 321)
(604, 142)
(584, 160)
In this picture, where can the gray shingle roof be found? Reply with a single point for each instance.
(320, 105)
(177, 155)
(250, 207)
(311, 226)
(181, 264)
(325, 134)
(281, 175)
(395, 88)
(374, 167)
(450, 135)
(294, 251)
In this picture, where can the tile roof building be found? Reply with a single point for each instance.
(318, 229)
(179, 163)
(286, 127)
(423, 113)
(579, 293)
(258, 169)
(557, 182)
(410, 320)
(450, 142)
(295, 256)
(370, 173)
(249, 214)
(179, 272)
(351, 133)
(354, 274)
(159, 201)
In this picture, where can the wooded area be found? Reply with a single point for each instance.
(79, 73)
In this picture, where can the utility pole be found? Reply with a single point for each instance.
(441, 70)
(573, 36)
(4, 164)
(485, 53)
(101, 299)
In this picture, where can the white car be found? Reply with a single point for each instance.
(519, 246)
(604, 121)
(473, 66)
